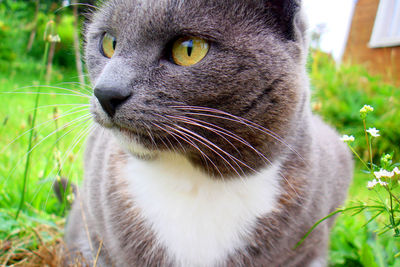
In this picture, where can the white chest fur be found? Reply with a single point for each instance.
(198, 220)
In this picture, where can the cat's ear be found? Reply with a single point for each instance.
(286, 14)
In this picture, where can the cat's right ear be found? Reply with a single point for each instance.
(286, 15)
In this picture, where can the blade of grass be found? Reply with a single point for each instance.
(362, 207)
(30, 144)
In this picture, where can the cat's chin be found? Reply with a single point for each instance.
(139, 145)
(132, 143)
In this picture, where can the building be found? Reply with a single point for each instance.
(374, 38)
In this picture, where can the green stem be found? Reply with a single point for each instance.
(358, 156)
(368, 143)
(370, 154)
(323, 219)
(30, 144)
(392, 220)
(58, 162)
(391, 194)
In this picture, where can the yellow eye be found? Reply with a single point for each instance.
(108, 45)
(188, 51)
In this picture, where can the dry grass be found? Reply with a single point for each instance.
(43, 246)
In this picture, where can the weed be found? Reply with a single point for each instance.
(383, 208)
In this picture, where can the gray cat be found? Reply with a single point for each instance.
(206, 152)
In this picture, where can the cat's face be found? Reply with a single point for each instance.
(251, 70)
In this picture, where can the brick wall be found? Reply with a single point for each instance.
(380, 61)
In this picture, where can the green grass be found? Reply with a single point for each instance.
(54, 148)
(340, 92)
(338, 95)
(354, 242)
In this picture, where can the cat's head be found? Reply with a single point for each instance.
(221, 82)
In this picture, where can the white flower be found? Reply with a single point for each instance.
(383, 173)
(71, 198)
(373, 132)
(383, 183)
(54, 38)
(372, 184)
(346, 138)
(396, 170)
(65, 3)
(386, 158)
(366, 109)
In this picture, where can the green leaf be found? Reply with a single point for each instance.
(367, 257)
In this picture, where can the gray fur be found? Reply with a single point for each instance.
(255, 70)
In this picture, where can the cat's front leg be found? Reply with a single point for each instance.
(79, 245)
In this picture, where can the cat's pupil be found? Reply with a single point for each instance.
(114, 44)
(189, 45)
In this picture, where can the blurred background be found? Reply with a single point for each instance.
(354, 60)
(365, 32)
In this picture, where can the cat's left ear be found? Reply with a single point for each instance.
(286, 14)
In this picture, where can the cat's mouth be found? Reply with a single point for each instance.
(148, 136)
(139, 130)
(137, 138)
(150, 139)
(144, 144)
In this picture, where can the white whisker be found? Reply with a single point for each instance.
(41, 124)
(78, 120)
(233, 158)
(83, 86)
(82, 134)
(188, 141)
(225, 132)
(58, 105)
(187, 134)
(84, 130)
(237, 138)
(54, 87)
(246, 122)
(188, 120)
(40, 93)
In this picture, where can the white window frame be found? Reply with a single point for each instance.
(388, 13)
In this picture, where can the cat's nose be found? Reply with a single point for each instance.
(110, 99)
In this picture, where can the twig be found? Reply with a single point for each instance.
(98, 253)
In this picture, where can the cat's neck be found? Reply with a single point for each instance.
(216, 215)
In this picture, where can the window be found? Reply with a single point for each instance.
(386, 30)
